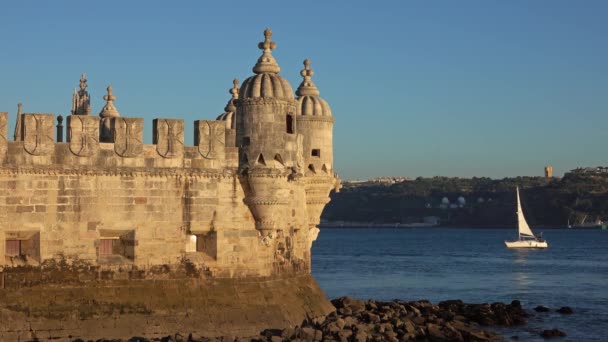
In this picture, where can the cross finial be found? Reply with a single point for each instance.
(267, 44)
(267, 63)
(109, 97)
(307, 71)
(307, 87)
(83, 81)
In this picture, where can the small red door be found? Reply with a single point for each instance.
(13, 248)
(105, 246)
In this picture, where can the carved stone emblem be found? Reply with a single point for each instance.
(83, 135)
(38, 138)
(128, 137)
(211, 138)
(3, 133)
(169, 137)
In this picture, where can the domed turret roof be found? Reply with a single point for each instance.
(230, 109)
(309, 101)
(109, 111)
(266, 82)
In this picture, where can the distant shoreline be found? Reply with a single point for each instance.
(368, 225)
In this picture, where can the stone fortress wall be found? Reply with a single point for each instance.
(243, 202)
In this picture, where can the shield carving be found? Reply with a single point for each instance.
(211, 139)
(83, 135)
(169, 137)
(38, 138)
(128, 137)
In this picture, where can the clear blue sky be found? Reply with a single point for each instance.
(418, 88)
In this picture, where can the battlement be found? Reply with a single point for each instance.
(213, 148)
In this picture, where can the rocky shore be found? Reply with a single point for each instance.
(358, 321)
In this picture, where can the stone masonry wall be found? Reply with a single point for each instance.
(70, 198)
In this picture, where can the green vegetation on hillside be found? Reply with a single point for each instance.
(487, 202)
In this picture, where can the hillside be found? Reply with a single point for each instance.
(483, 201)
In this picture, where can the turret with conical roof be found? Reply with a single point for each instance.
(315, 123)
(267, 138)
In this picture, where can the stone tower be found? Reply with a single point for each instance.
(315, 123)
(548, 171)
(81, 100)
(267, 139)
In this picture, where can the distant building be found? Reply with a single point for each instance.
(548, 171)
(599, 170)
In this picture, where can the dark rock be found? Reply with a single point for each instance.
(355, 305)
(541, 308)
(550, 333)
(565, 310)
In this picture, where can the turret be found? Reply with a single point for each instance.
(108, 112)
(81, 100)
(228, 116)
(267, 139)
(315, 123)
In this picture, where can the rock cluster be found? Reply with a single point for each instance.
(357, 320)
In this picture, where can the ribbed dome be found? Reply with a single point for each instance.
(229, 118)
(309, 102)
(266, 85)
(266, 82)
(313, 106)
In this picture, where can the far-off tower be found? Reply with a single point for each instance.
(548, 171)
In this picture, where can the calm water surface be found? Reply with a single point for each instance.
(475, 266)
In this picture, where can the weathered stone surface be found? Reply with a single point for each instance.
(128, 136)
(191, 305)
(210, 138)
(169, 137)
(83, 135)
(39, 133)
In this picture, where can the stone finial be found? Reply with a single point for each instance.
(307, 87)
(18, 124)
(83, 81)
(81, 100)
(230, 107)
(109, 111)
(266, 62)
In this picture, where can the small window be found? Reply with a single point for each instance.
(22, 248)
(246, 141)
(289, 123)
(316, 152)
(207, 244)
(116, 246)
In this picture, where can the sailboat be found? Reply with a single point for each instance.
(526, 239)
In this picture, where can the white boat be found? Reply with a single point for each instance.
(526, 239)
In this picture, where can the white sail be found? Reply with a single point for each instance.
(522, 225)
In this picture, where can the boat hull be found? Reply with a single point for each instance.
(526, 244)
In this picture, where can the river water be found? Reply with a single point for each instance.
(474, 265)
